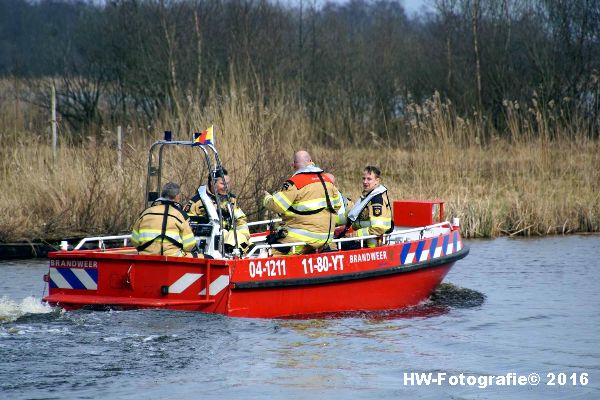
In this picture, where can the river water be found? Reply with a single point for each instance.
(513, 306)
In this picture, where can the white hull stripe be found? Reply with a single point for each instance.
(84, 278)
(74, 278)
(217, 285)
(59, 280)
(184, 282)
(424, 255)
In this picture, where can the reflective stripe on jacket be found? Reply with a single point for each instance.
(149, 237)
(302, 204)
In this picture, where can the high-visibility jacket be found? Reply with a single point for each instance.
(194, 207)
(342, 214)
(163, 229)
(302, 205)
(375, 218)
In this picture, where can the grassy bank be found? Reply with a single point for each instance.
(539, 177)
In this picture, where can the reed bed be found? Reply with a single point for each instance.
(539, 177)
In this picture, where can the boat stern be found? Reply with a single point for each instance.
(95, 279)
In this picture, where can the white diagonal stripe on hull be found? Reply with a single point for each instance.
(458, 245)
(184, 282)
(450, 246)
(58, 279)
(217, 285)
(424, 255)
(438, 251)
(84, 278)
(409, 258)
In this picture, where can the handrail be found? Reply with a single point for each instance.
(264, 222)
(419, 229)
(101, 240)
(274, 246)
(294, 244)
(385, 237)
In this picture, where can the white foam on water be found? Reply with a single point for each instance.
(10, 310)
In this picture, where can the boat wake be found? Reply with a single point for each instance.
(449, 295)
(11, 310)
(445, 298)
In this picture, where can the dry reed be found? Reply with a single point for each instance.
(543, 177)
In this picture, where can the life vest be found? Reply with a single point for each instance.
(358, 207)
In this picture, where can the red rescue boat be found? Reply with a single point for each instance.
(403, 271)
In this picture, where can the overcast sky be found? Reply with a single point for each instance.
(413, 6)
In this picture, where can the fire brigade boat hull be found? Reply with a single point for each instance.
(391, 276)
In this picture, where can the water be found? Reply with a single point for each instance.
(520, 306)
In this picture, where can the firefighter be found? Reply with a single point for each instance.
(307, 203)
(220, 185)
(372, 213)
(163, 228)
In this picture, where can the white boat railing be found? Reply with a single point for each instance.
(264, 222)
(101, 240)
(394, 237)
(404, 235)
(259, 237)
(259, 247)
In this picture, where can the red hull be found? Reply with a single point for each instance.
(386, 277)
(371, 294)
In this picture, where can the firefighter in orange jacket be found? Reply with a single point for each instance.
(308, 203)
(163, 228)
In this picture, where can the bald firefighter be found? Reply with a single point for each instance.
(220, 185)
(307, 203)
(372, 213)
(163, 228)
